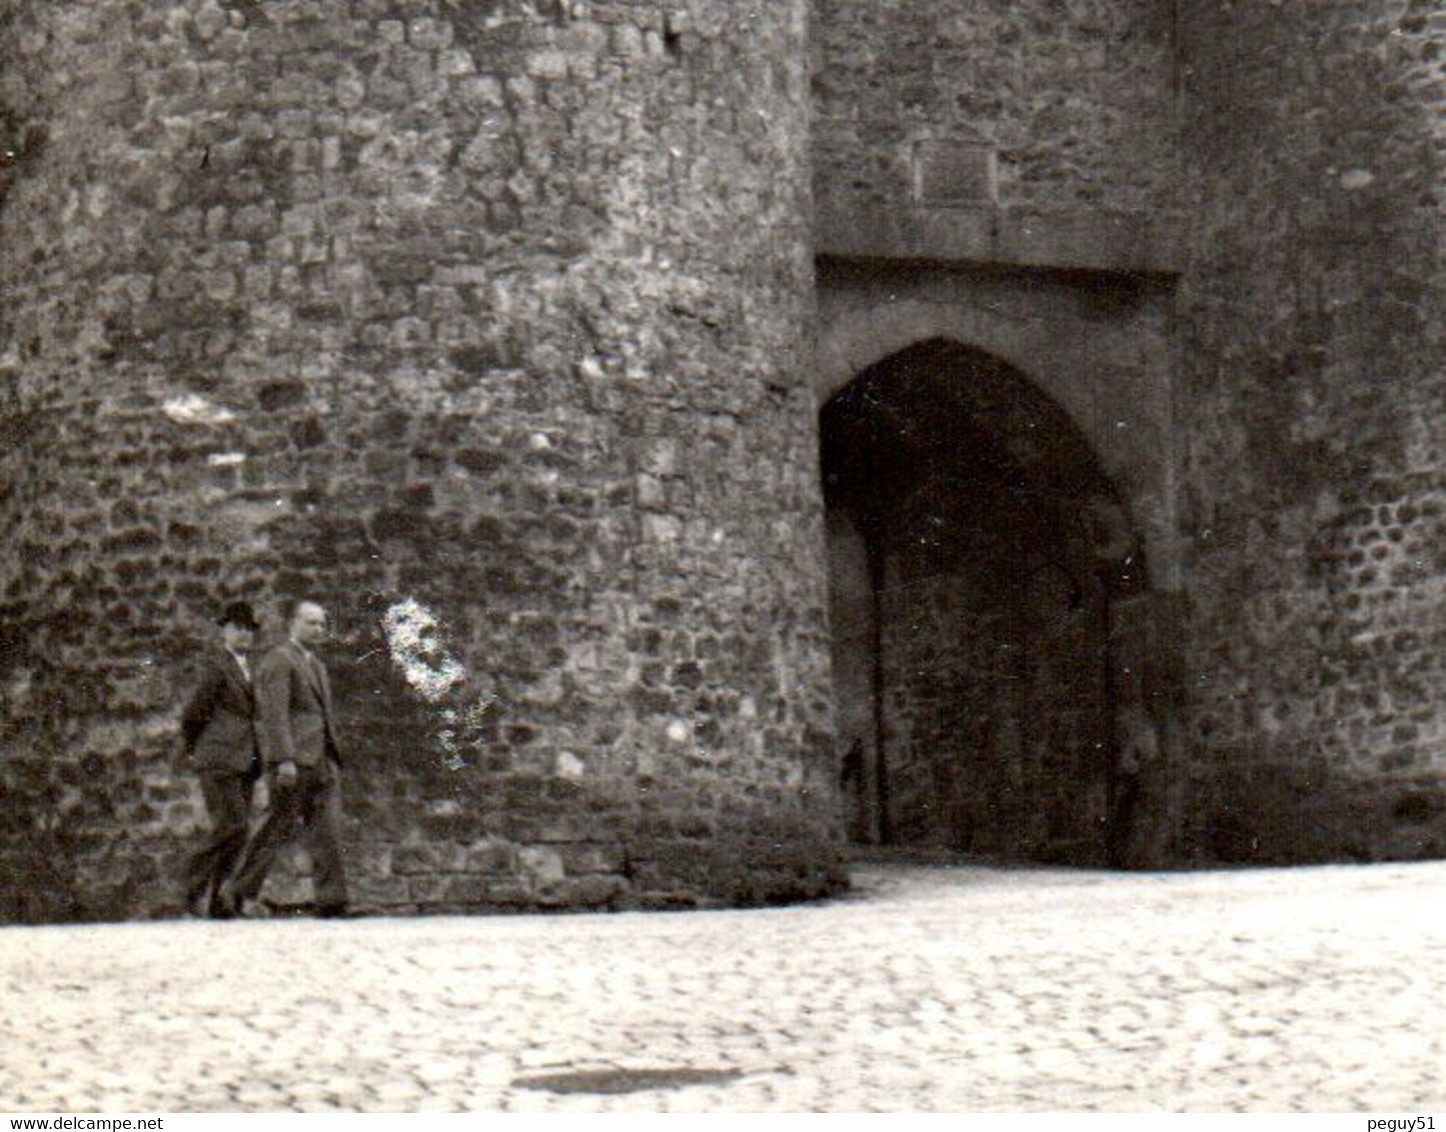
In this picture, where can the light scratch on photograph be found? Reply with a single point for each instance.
(414, 638)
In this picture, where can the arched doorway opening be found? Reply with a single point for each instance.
(977, 554)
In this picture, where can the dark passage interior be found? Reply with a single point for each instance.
(976, 550)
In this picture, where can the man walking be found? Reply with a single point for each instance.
(303, 763)
(218, 736)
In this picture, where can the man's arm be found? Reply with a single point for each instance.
(200, 707)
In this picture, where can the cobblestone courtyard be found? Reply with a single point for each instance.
(925, 989)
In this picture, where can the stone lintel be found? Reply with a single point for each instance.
(1064, 241)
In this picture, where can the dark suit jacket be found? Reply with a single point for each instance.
(293, 701)
(218, 724)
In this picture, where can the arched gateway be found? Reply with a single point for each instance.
(987, 590)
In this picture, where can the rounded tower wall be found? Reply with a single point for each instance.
(483, 326)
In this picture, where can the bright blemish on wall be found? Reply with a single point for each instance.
(195, 410)
(414, 640)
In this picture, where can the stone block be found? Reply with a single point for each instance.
(366, 892)
(542, 864)
(414, 860)
(491, 857)
(429, 34)
(582, 859)
(584, 892)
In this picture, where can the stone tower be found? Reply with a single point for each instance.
(719, 429)
(481, 323)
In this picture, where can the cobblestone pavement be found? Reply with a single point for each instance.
(925, 989)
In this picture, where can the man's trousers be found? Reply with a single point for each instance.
(228, 802)
(309, 809)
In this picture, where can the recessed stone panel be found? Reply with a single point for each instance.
(949, 172)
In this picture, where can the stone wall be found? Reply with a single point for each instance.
(482, 324)
(1313, 405)
(1073, 96)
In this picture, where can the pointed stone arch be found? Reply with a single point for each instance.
(1049, 350)
(900, 762)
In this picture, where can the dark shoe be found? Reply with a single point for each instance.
(223, 902)
(331, 912)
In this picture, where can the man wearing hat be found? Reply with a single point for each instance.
(218, 735)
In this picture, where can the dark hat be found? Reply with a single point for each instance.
(240, 614)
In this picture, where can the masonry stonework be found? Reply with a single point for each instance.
(1313, 404)
(519, 333)
(1072, 96)
(490, 313)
